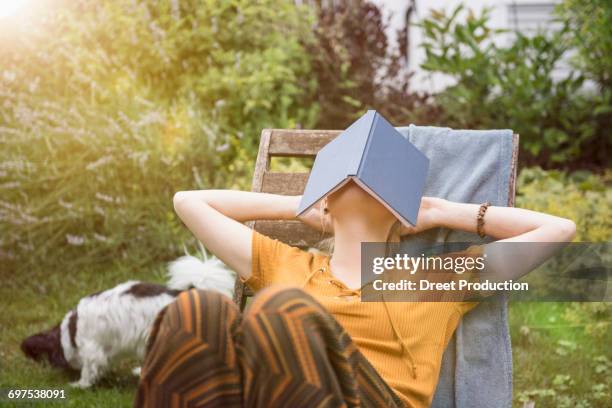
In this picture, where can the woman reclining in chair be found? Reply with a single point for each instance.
(306, 339)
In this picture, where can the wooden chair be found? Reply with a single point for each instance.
(299, 143)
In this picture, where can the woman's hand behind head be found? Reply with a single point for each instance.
(429, 216)
(317, 218)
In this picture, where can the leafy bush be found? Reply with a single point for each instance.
(110, 107)
(592, 37)
(357, 67)
(580, 196)
(515, 87)
(594, 317)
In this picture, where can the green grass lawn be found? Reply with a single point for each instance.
(560, 358)
(562, 355)
(39, 301)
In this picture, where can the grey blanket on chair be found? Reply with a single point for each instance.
(470, 166)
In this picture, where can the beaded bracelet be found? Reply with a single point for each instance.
(480, 218)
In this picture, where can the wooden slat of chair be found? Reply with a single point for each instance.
(284, 143)
(302, 143)
(298, 143)
(513, 170)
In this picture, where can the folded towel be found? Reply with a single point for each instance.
(470, 166)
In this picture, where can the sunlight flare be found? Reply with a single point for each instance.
(10, 7)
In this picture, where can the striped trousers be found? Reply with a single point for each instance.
(286, 350)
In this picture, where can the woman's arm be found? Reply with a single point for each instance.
(505, 224)
(215, 217)
(524, 238)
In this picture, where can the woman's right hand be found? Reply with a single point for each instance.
(317, 219)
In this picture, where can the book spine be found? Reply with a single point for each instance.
(366, 146)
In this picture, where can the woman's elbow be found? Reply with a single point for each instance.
(182, 199)
(179, 198)
(567, 229)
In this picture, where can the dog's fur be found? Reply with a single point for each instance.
(113, 323)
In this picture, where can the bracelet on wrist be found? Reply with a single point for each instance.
(480, 221)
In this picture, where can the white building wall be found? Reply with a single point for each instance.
(524, 15)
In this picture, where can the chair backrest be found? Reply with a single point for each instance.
(299, 143)
(284, 143)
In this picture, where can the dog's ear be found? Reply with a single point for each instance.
(57, 359)
(36, 346)
(47, 344)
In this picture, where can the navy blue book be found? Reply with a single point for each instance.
(372, 153)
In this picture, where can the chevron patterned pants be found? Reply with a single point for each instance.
(284, 351)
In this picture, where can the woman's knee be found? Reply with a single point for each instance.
(280, 298)
(198, 323)
(196, 308)
(288, 314)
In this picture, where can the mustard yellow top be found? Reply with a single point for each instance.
(404, 341)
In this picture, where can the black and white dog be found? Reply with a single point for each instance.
(107, 325)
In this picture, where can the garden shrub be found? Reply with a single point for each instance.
(358, 67)
(110, 107)
(589, 21)
(518, 86)
(581, 196)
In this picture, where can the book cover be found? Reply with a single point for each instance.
(379, 159)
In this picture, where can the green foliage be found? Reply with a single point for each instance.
(592, 36)
(580, 196)
(595, 317)
(110, 107)
(517, 86)
(358, 67)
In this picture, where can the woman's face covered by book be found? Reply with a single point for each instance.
(351, 204)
